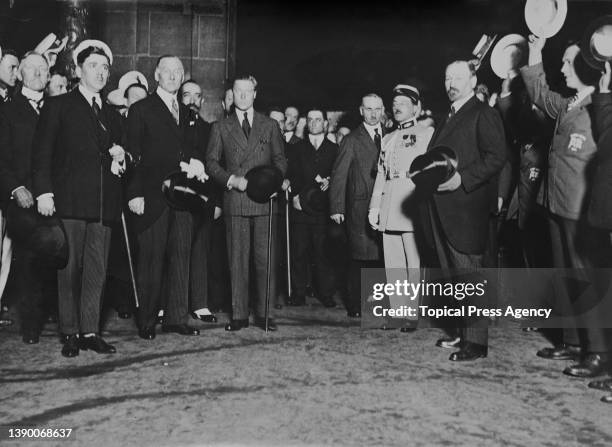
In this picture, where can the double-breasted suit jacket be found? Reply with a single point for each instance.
(392, 186)
(350, 190)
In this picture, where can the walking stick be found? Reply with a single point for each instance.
(269, 267)
(288, 249)
(129, 254)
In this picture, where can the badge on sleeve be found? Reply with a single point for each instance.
(576, 141)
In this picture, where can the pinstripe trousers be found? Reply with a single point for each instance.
(81, 282)
(162, 269)
(246, 234)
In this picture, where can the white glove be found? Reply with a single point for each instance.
(137, 205)
(296, 203)
(194, 169)
(118, 163)
(237, 182)
(373, 217)
(46, 205)
(218, 213)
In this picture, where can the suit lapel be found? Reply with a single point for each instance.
(236, 132)
(367, 147)
(83, 107)
(167, 115)
(24, 104)
(450, 124)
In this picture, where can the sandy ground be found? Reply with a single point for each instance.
(319, 380)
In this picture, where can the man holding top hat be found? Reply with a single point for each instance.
(456, 220)
(391, 210)
(157, 138)
(245, 140)
(76, 168)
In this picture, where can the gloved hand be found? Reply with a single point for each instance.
(373, 217)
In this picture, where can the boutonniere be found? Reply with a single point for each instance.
(191, 123)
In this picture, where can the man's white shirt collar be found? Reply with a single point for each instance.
(370, 129)
(588, 90)
(89, 95)
(316, 140)
(288, 135)
(461, 102)
(240, 115)
(32, 94)
(167, 98)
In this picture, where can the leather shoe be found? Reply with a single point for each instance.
(124, 315)
(593, 365)
(181, 329)
(260, 322)
(64, 338)
(96, 344)
(560, 352)
(468, 352)
(4, 318)
(147, 333)
(210, 318)
(30, 337)
(71, 346)
(603, 385)
(449, 342)
(607, 399)
(236, 325)
(351, 314)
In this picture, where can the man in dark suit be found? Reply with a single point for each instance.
(352, 182)
(292, 115)
(310, 166)
(245, 139)
(156, 137)
(458, 215)
(75, 167)
(198, 132)
(18, 120)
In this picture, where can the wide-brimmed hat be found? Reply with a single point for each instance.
(509, 54)
(263, 181)
(313, 201)
(43, 235)
(131, 78)
(433, 168)
(545, 17)
(596, 44)
(187, 194)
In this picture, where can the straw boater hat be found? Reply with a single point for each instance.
(545, 17)
(50, 46)
(118, 96)
(508, 55)
(596, 44)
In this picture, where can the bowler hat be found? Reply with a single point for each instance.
(596, 44)
(263, 181)
(313, 201)
(433, 168)
(43, 235)
(187, 194)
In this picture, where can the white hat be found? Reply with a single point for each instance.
(50, 46)
(92, 43)
(545, 17)
(509, 54)
(117, 96)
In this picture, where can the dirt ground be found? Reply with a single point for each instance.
(320, 380)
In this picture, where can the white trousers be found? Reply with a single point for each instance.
(402, 263)
(6, 254)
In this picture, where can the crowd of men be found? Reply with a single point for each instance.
(95, 163)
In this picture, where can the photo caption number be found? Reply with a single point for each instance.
(35, 433)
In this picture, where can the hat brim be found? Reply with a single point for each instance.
(185, 194)
(263, 181)
(586, 44)
(499, 57)
(313, 201)
(92, 43)
(547, 29)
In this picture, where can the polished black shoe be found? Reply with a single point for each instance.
(449, 342)
(64, 338)
(328, 302)
(607, 399)
(353, 314)
(71, 346)
(560, 352)
(51, 318)
(236, 325)
(96, 344)
(181, 329)
(469, 352)
(531, 329)
(210, 318)
(260, 322)
(296, 301)
(30, 337)
(602, 385)
(147, 333)
(4, 318)
(124, 315)
(160, 319)
(593, 365)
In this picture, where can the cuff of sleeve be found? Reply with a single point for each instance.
(16, 189)
(45, 195)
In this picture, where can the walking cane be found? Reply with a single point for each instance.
(129, 254)
(269, 267)
(288, 249)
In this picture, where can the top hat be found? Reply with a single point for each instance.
(187, 194)
(596, 44)
(545, 17)
(508, 55)
(43, 235)
(313, 201)
(263, 181)
(433, 168)
(117, 96)
(92, 43)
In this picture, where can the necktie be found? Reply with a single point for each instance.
(452, 112)
(246, 127)
(95, 106)
(175, 111)
(37, 104)
(377, 139)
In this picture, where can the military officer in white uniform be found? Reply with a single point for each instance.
(391, 211)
